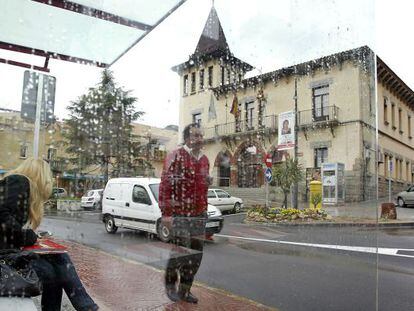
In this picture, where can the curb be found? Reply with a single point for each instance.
(335, 224)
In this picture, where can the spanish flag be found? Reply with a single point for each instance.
(235, 107)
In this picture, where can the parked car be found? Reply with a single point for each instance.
(224, 201)
(59, 192)
(406, 197)
(133, 203)
(92, 199)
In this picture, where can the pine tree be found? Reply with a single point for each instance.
(99, 130)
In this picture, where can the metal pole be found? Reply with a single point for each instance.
(295, 189)
(37, 121)
(389, 181)
(267, 195)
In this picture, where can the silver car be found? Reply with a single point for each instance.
(406, 197)
(224, 201)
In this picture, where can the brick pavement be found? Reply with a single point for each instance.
(120, 284)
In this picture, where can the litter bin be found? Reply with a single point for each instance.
(315, 189)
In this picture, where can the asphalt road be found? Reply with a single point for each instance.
(289, 268)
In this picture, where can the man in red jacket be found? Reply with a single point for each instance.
(183, 203)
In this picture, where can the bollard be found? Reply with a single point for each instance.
(315, 189)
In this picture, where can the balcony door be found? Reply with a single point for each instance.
(320, 103)
(249, 116)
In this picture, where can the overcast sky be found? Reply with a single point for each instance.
(268, 34)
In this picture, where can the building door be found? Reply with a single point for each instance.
(224, 171)
(248, 168)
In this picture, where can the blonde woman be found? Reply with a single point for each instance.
(23, 192)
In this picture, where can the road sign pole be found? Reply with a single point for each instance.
(267, 196)
(37, 121)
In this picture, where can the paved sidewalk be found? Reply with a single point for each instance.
(119, 284)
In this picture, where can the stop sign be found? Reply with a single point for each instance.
(268, 160)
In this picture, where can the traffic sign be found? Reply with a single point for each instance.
(31, 95)
(268, 175)
(268, 160)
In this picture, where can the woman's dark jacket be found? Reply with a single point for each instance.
(14, 212)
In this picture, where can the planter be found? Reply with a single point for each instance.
(388, 211)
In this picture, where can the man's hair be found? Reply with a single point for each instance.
(187, 130)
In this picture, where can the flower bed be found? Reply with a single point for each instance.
(258, 214)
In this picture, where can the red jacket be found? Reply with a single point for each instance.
(184, 184)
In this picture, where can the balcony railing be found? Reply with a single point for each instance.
(57, 165)
(326, 115)
(245, 126)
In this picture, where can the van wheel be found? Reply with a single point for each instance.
(110, 224)
(164, 233)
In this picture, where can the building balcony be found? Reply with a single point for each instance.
(268, 124)
(57, 165)
(327, 116)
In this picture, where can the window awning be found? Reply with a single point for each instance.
(82, 31)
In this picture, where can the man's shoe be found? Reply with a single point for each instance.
(173, 295)
(188, 297)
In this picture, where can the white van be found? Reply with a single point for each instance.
(133, 203)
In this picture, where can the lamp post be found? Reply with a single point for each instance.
(295, 187)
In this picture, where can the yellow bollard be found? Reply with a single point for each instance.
(315, 188)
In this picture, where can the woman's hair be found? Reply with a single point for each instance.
(40, 178)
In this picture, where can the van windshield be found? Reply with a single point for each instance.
(155, 189)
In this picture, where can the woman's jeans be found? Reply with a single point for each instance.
(57, 273)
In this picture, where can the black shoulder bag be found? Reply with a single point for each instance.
(17, 277)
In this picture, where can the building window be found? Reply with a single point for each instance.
(409, 127)
(386, 165)
(249, 115)
(185, 85)
(407, 171)
(210, 76)
(201, 78)
(400, 120)
(321, 156)
(23, 151)
(228, 76)
(400, 171)
(386, 111)
(222, 75)
(320, 103)
(193, 82)
(197, 118)
(51, 153)
(393, 116)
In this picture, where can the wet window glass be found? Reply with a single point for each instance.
(140, 195)
(209, 155)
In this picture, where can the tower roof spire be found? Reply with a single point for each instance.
(212, 37)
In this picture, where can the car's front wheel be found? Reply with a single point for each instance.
(237, 207)
(164, 232)
(401, 202)
(110, 224)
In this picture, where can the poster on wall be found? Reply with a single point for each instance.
(286, 137)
